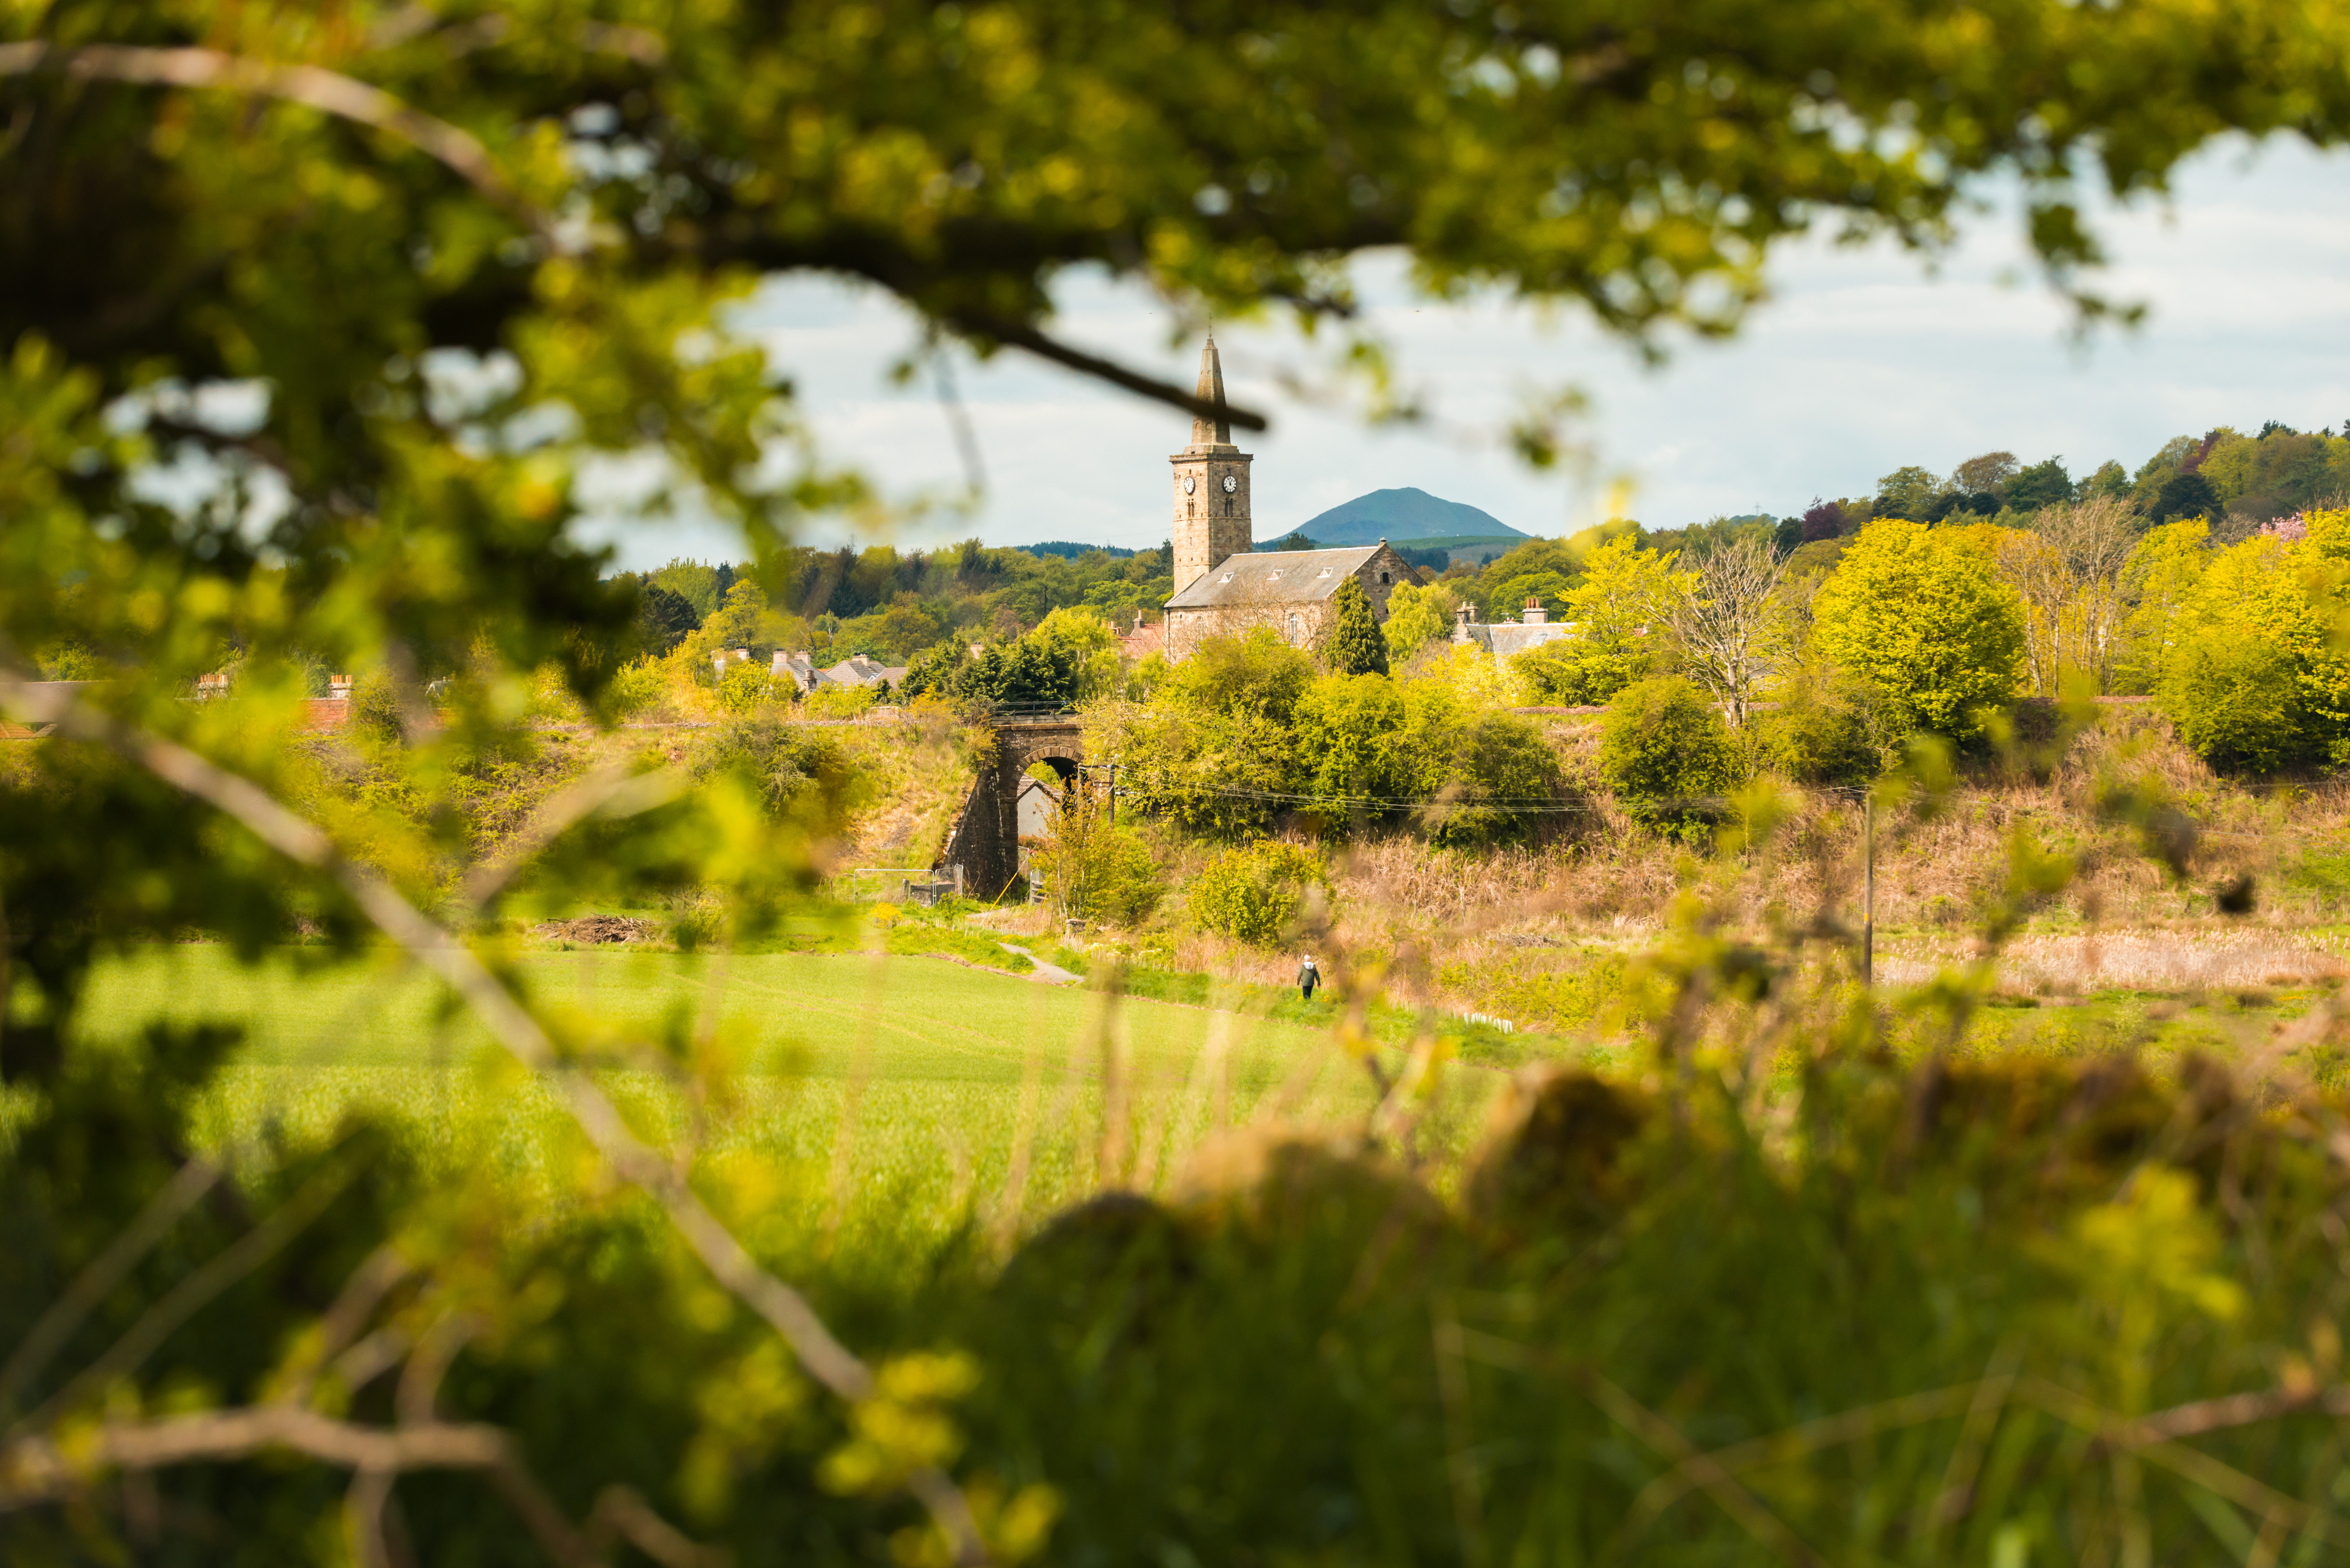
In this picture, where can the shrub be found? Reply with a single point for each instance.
(1216, 748)
(2235, 699)
(1098, 870)
(794, 773)
(1504, 783)
(1919, 615)
(1819, 734)
(1353, 745)
(640, 684)
(376, 709)
(1565, 673)
(1665, 752)
(1254, 893)
(839, 702)
(747, 687)
(1257, 673)
(2253, 674)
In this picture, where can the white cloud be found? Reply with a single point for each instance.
(1860, 363)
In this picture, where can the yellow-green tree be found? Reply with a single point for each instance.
(1616, 619)
(2159, 576)
(2253, 673)
(1919, 615)
(1418, 613)
(1093, 642)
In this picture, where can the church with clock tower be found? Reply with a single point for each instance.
(1221, 585)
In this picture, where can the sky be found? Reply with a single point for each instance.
(1862, 360)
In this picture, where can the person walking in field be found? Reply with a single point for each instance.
(1308, 977)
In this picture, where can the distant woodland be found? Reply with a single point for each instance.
(891, 605)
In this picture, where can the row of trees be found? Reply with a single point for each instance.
(1937, 629)
(2236, 481)
(888, 605)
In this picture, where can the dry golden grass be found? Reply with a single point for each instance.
(2163, 960)
(1477, 930)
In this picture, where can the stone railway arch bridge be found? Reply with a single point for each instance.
(985, 841)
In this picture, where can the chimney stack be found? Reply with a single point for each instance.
(1535, 614)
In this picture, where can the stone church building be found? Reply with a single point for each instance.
(1221, 585)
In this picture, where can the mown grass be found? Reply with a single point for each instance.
(891, 1090)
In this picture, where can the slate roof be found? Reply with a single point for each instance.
(1505, 639)
(1277, 577)
(861, 669)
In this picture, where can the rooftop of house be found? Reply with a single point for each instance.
(862, 669)
(1503, 639)
(1281, 577)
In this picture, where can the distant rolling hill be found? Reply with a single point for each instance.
(1404, 517)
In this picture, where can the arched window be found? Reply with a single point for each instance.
(1383, 579)
(1293, 628)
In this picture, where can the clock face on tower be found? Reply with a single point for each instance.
(1190, 483)
(1231, 482)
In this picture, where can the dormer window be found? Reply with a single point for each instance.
(1323, 573)
(1225, 578)
(1272, 577)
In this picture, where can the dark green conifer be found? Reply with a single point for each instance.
(1356, 646)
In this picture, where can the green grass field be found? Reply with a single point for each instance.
(893, 1091)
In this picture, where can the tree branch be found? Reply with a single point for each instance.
(621, 1510)
(1019, 335)
(34, 1470)
(329, 92)
(184, 1300)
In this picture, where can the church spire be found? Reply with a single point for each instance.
(1211, 390)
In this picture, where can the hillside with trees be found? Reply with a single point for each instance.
(894, 605)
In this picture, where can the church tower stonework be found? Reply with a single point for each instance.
(1211, 486)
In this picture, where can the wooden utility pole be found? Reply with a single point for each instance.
(1868, 888)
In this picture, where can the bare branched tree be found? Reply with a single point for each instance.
(1730, 621)
(2067, 567)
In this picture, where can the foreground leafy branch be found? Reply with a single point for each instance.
(831, 1363)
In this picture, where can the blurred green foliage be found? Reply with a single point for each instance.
(393, 283)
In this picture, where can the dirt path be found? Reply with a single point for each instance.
(1052, 973)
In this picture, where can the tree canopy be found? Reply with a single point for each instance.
(1919, 614)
